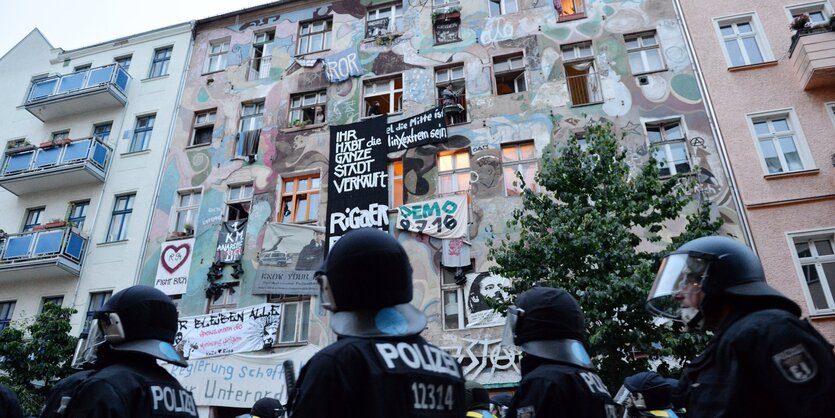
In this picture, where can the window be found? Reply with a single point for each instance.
(818, 12)
(384, 20)
(84, 67)
(34, 216)
(570, 9)
(741, 42)
(382, 97)
(78, 213)
(227, 301)
(55, 300)
(60, 135)
(159, 65)
(120, 218)
(307, 108)
(583, 81)
(443, 3)
(217, 56)
(238, 202)
(780, 144)
(97, 301)
(142, 133)
(101, 131)
(252, 119)
(454, 172)
(187, 207)
(644, 53)
(204, 126)
(815, 260)
(519, 158)
(454, 302)
(123, 62)
(6, 312)
(262, 55)
(314, 36)
(395, 171)
(669, 146)
(300, 199)
(502, 7)
(295, 318)
(510, 74)
(452, 93)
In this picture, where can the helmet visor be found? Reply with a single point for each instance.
(509, 334)
(85, 350)
(325, 292)
(679, 276)
(623, 397)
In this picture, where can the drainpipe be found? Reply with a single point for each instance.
(173, 124)
(714, 126)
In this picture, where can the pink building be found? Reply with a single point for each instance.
(772, 93)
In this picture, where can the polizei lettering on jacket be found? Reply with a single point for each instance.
(417, 357)
(171, 401)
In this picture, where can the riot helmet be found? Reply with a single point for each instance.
(693, 281)
(645, 394)
(366, 281)
(139, 319)
(547, 322)
(267, 408)
(475, 396)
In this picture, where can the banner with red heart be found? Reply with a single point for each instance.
(174, 266)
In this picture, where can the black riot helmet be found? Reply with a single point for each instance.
(139, 319)
(267, 408)
(547, 322)
(721, 268)
(645, 393)
(366, 280)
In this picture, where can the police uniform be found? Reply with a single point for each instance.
(768, 363)
(379, 367)
(9, 405)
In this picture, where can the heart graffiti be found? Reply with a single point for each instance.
(174, 256)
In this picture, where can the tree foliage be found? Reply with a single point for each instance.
(35, 356)
(590, 230)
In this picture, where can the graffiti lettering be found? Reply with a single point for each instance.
(478, 354)
(258, 22)
(376, 215)
(496, 30)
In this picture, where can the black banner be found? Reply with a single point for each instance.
(447, 31)
(230, 242)
(426, 128)
(358, 180)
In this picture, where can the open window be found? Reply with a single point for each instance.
(261, 61)
(570, 9)
(452, 93)
(383, 96)
(238, 202)
(581, 75)
(510, 74)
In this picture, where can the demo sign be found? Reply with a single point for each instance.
(174, 266)
(440, 218)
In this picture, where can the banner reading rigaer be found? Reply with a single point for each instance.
(358, 178)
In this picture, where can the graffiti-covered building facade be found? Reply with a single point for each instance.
(289, 109)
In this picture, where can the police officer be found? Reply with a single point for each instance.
(379, 367)
(646, 394)
(133, 330)
(267, 408)
(763, 360)
(9, 405)
(558, 378)
(477, 400)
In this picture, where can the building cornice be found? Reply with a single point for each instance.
(152, 35)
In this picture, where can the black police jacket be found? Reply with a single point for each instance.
(767, 363)
(135, 387)
(379, 378)
(553, 389)
(9, 405)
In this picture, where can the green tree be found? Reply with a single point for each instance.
(590, 230)
(36, 355)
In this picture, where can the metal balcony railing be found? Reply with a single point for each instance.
(584, 89)
(76, 153)
(260, 68)
(63, 85)
(64, 242)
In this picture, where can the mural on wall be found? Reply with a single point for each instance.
(546, 92)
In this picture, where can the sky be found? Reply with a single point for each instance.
(71, 24)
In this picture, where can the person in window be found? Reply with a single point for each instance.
(319, 117)
(449, 96)
(374, 110)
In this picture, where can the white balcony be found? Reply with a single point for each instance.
(83, 91)
(45, 253)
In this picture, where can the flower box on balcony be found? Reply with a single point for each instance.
(64, 141)
(19, 149)
(46, 145)
(447, 16)
(55, 224)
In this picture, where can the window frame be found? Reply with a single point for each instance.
(459, 86)
(191, 211)
(124, 217)
(517, 165)
(327, 41)
(98, 135)
(7, 309)
(255, 118)
(301, 329)
(502, 7)
(455, 172)
(264, 60)
(809, 237)
(30, 224)
(60, 135)
(824, 7)
(91, 310)
(229, 303)
(591, 95)
(449, 286)
(197, 125)
(395, 20)
(396, 193)
(118, 61)
(800, 143)
(561, 17)
(72, 218)
(216, 60)
(320, 98)
(643, 50)
(160, 62)
(394, 95)
(668, 143)
(294, 200)
(512, 71)
(51, 299)
(141, 138)
(758, 34)
(248, 190)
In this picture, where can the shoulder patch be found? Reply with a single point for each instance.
(796, 364)
(526, 412)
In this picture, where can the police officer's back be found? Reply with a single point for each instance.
(763, 361)
(9, 405)
(133, 330)
(380, 366)
(558, 379)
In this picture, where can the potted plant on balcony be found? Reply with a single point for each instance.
(14, 147)
(55, 223)
(446, 13)
(189, 229)
(800, 22)
(46, 145)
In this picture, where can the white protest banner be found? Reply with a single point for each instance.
(174, 266)
(246, 329)
(238, 380)
(440, 218)
(479, 287)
